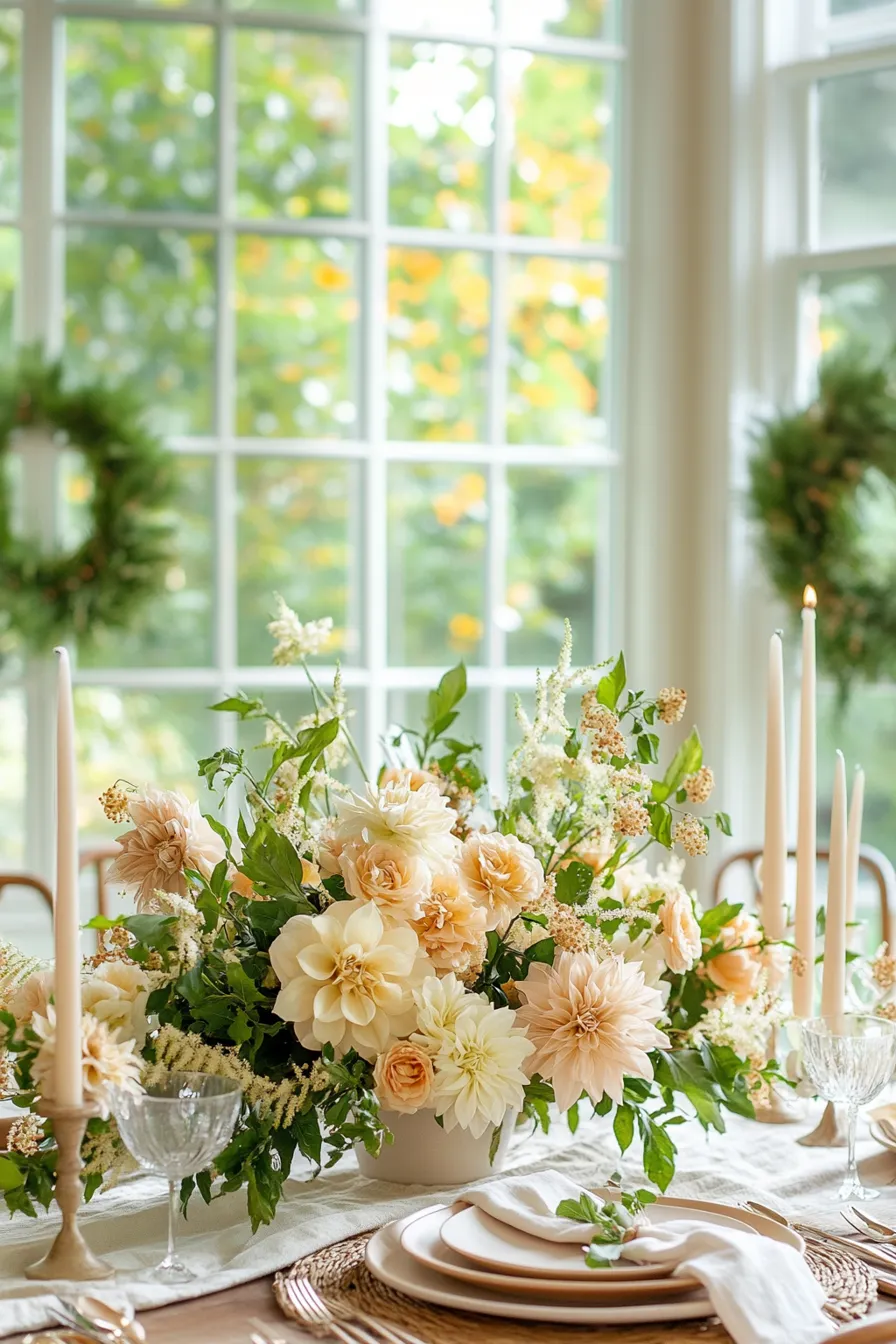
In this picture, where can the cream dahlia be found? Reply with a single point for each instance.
(592, 1023)
(451, 925)
(347, 978)
(397, 882)
(439, 1004)
(106, 1062)
(502, 873)
(479, 1073)
(419, 821)
(169, 835)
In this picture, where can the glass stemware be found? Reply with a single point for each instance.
(175, 1128)
(850, 1058)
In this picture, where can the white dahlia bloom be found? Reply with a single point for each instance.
(479, 1071)
(419, 821)
(439, 1005)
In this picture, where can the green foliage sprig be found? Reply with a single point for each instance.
(814, 475)
(46, 598)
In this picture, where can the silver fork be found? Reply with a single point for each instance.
(320, 1319)
(393, 1334)
(880, 1231)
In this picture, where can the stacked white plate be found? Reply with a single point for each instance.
(457, 1256)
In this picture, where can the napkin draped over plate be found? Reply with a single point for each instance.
(762, 1290)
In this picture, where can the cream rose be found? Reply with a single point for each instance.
(502, 873)
(738, 971)
(680, 937)
(115, 994)
(403, 1077)
(397, 882)
(32, 997)
(415, 779)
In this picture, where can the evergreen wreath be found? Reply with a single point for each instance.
(46, 597)
(816, 476)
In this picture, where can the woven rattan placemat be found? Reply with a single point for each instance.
(339, 1273)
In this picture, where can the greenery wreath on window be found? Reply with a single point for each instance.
(48, 596)
(823, 483)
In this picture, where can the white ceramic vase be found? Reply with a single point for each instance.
(422, 1153)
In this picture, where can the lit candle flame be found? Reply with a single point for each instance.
(810, 597)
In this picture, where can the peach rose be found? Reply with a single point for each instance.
(395, 881)
(403, 1077)
(738, 971)
(415, 779)
(502, 873)
(681, 932)
(451, 927)
(329, 851)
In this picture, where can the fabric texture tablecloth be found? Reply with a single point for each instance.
(127, 1225)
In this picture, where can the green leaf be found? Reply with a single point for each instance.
(624, 1126)
(450, 691)
(495, 1144)
(154, 931)
(713, 920)
(659, 1151)
(660, 823)
(687, 759)
(723, 822)
(240, 983)
(585, 1209)
(542, 951)
(574, 883)
(11, 1177)
(240, 704)
(572, 1117)
(274, 868)
(611, 686)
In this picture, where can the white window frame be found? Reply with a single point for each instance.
(43, 219)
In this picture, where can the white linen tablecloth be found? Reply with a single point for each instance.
(128, 1225)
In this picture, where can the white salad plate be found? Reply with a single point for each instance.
(476, 1236)
(422, 1240)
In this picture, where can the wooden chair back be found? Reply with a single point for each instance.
(97, 859)
(871, 861)
(27, 880)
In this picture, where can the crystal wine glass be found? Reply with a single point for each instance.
(850, 1058)
(175, 1128)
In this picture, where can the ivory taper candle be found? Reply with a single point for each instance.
(66, 923)
(833, 983)
(804, 921)
(853, 848)
(774, 855)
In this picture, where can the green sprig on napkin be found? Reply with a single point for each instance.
(616, 1222)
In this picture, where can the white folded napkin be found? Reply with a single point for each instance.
(528, 1203)
(762, 1290)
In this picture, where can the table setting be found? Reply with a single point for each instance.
(427, 1056)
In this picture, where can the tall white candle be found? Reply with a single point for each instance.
(66, 924)
(774, 856)
(833, 984)
(853, 847)
(804, 922)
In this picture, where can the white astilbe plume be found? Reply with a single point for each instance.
(15, 969)
(295, 640)
(744, 1028)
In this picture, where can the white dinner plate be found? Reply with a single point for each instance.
(389, 1263)
(474, 1235)
(421, 1239)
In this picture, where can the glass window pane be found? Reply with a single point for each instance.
(177, 628)
(406, 709)
(441, 129)
(838, 7)
(566, 18)
(9, 280)
(465, 16)
(562, 118)
(297, 535)
(141, 115)
(297, 7)
(554, 525)
(296, 121)
(438, 518)
(558, 327)
(296, 333)
(438, 344)
(10, 93)
(147, 737)
(12, 781)
(843, 306)
(140, 308)
(857, 157)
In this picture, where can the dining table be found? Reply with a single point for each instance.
(750, 1161)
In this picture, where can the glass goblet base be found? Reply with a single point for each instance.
(171, 1270)
(854, 1191)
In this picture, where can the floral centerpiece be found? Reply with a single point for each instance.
(413, 944)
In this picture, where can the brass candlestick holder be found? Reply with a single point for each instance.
(69, 1257)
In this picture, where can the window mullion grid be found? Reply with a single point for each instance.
(373, 374)
(497, 536)
(225, 381)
